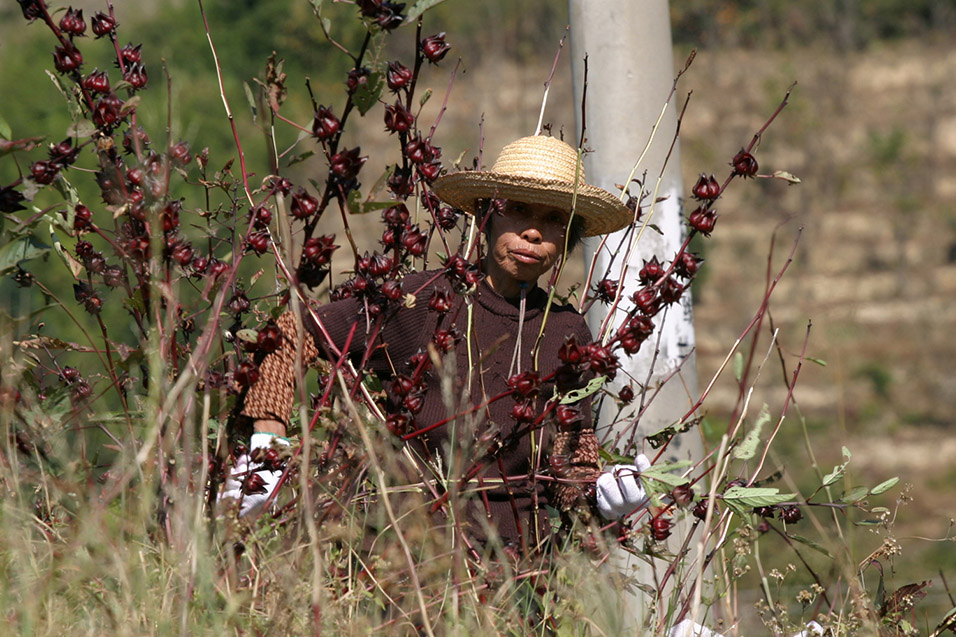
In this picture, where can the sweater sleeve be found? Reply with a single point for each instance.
(271, 397)
(575, 460)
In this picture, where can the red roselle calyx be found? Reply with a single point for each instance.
(303, 204)
(398, 119)
(744, 164)
(651, 272)
(434, 47)
(247, 373)
(318, 250)
(72, 22)
(132, 54)
(706, 188)
(67, 58)
(703, 220)
(268, 339)
(325, 125)
(97, 82)
(136, 75)
(661, 528)
(102, 24)
(398, 76)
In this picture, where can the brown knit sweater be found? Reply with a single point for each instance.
(485, 356)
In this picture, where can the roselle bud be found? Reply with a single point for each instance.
(96, 263)
(671, 290)
(318, 250)
(398, 119)
(280, 184)
(31, 9)
(345, 164)
(82, 218)
(651, 272)
(434, 47)
(647, 301)
(303, 204)
(357, 78)
(523, 412)
(687, 265)
(247, 373)
(268, 339)
(626, 395)
(113, 276)
(605, 290)
(369, 8)
(254, 484)
(703, 220)
(700, 509)
(44, 172)
(524, 384)
(683, 495)
(398, 76)
(571, 353)
(440, 301)
(102, 24)
(396, 216)
(392, 290)
(217, 268)
(414, 241)
(93, 304)
(415, 150)
(106, 110)
(81, 390)
(414, 402)
(400, 182)
(398, 424)
(97, 82)
(744, 164)
(72, 22)
(131, 137)
(447, 218)
(661, 528)
(445, 340)
(791, 514)
(239, 303)
(706, 188)
(67, 58)
(765, 511)
(261, 217)
(380, 265)
(325, 125)
(567, 415)
(602, 360)
(136, 75)
(182, 254)
(430, 171)
(179, 153)
(84, 250)
(258, 242)
(130, 54)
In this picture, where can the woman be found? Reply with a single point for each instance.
(515, 360)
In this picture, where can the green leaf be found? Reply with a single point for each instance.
(748, 446)
(884, 486)
(248, 335)
(5, 131)
(317, 8)
(575, 395)
(785, 176)
(818, 361)
(838, 471)
(419, 8)
(814, 545)
(22, 249)
(738, 366)
(757, 496)
(251, 98)
(366, 96)
(664, 473)
(854, 495)
(425, 97)
(871, 522)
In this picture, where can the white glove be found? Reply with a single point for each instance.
(688, 628)
(619, 490)
(252, 499)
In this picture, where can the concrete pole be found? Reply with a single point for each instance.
(630, 75)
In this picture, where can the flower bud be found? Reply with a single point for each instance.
(130, 54)
(706, 188)
(524, 384)
(440, 301)
(447, 218)
(398, 119)
(791, 514)
(744, 164)
(136, 75)
(647, 300)
(67, 58)
(651, 272)
(703, 220)
(398, 76)
(626, 395)
(247, 373)
(688, 264)
(239, 303)
(72, 22)
(434, 47)
(268, 339)
(303, 204)
(44, 172)
(325, 125)
(179, 153)
(97, 82)
(523, 412)
(102, 24)
(396, 216)
(661, 528)
(261, 217)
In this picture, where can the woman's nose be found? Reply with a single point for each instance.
(531, 234)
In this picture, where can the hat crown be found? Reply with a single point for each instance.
(540, 157)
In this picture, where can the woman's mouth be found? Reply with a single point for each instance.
(526, 256)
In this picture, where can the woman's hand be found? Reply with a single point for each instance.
(252, 483)
(618, 489)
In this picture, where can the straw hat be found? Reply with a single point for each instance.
(537, 169)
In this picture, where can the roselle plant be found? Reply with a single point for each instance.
(113, 460)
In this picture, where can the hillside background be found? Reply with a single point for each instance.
(870, 131)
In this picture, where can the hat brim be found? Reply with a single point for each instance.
(600, 211)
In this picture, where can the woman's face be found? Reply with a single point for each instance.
(524, 241)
